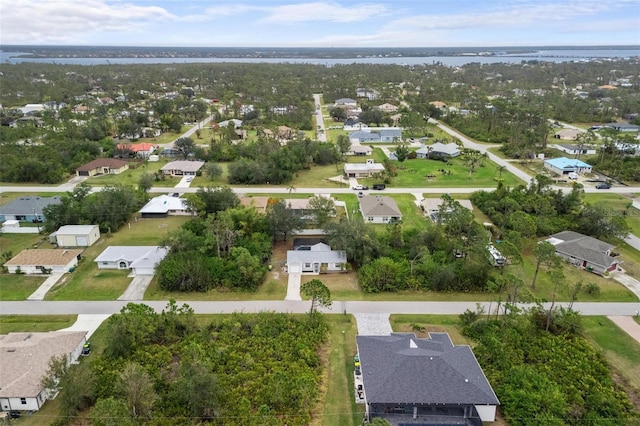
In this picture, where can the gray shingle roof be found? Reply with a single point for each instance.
(318, 253)
(379, 205)
(401, 368)
(26, 205)
(583, 247)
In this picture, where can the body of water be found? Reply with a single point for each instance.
(550, 55)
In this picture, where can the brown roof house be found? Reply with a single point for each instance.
(103, 166)
(379, 209)
(260, 203)
(40, 261)
(24, 358)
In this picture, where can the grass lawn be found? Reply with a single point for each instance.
(429, 323)
(88, 282)
(338, 405)
(34, 323)
(412, 174)
(621, 351)
(620, 205)
(132, 176)
(15, 243)
(19, 287)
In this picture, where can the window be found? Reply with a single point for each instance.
(307, 265)
(23, 401)
(385, 218)
(370, 218)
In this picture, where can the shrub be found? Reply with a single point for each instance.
(592, 289)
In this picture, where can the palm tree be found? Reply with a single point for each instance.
(501, 169)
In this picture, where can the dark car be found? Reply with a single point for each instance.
(379, 186)
(603, 185)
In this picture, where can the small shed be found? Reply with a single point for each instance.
(154, 158)
(76, 235)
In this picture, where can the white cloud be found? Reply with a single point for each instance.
(45, 21)
(324, 11)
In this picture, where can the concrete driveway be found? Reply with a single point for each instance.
(373, 324)
(46, 286)
(137, 287)
(629, 325)
(88, 323)
(627, 281)
(293, 287)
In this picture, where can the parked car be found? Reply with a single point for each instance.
(603, 185)
(360, 187)
(190, 178)
(360, 194)
(379, 186)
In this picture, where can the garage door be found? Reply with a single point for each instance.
(81, 241)
(295, 268)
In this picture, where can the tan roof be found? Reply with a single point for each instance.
(297, 203)
(24, 358)
(44, 257)
(378, 205)
(112, 163)
(437, 103)
(259, 203)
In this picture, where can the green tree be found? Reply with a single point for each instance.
(344, 144)
(136, 385)
(545, 252)
(283, 221)
(213, 170)
(324, 209)
(402, 151)
(318, 292)
(110, 412)
(383, 274)
(145, 183)
(186, 146)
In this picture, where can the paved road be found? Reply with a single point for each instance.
(292, 306)
(321, 132)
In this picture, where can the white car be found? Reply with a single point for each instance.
(190, 178)
(360, 187)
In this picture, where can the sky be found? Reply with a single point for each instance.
(322, 23)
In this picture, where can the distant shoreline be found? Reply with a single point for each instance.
(177, 53)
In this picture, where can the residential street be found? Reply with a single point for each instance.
(291, 306)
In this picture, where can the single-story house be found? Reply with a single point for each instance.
(386, 107)
(384, 135)
(362, 170)
(438, 104)
(379, 209)
(623, 127)
(441, 150)
(260, 203)
(24, 358)
(234, 121)
(103, 166)
(163, 206)
(410, 380)
(577, 149)
(431, 206)
(182, 168)
(361, 150)
(354, 124)
(75, 235)
(564, 166)
(342, 102)
(142, 260)
(285, 132)
(301, 207)
(585, 252)
(27, 209)
(39, 261)
(140, 149)
(567, 134)
(315, 259)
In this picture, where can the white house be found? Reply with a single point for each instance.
(24, 358)
(39, 261)
(379, 209)
(75, 236)
(441, 150)
(142, 260)
(577, 149)
(431, 206)
(182, 168)
(362, 150)
(564, 166)
(163, 206)
(356, 170)
(315, 259)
